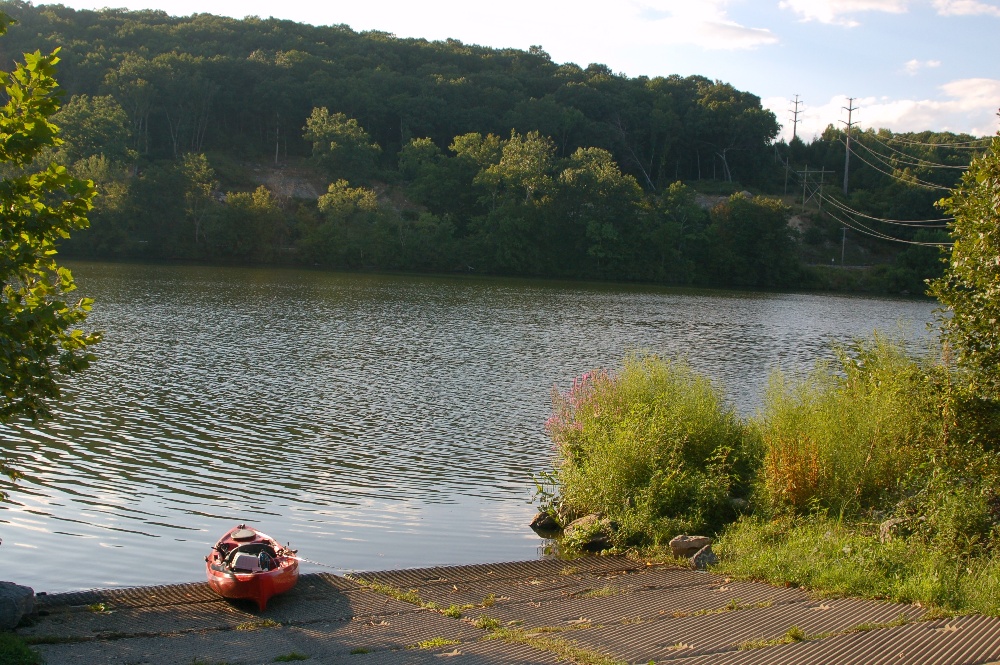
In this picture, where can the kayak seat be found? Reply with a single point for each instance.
(252, 558)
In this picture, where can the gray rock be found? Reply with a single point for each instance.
(544, 523)
(590, 532)
(683, 546)
(704, 558)
(16, 602)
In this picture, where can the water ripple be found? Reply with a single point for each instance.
(373, 421)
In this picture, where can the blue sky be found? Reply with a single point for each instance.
(910, 64)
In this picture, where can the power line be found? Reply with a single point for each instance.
(964, 145)
(919, 162)
(884, 160)
(914, 223)
(855, 225)
(914, 181)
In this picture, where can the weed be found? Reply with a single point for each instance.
(410, 596)
(732, 606)
(289, 657)
(258, 625)
(357, 651)
(434, 643)
(793, 634)
(97, 607)
(844, 440)
(603, 592)
(453, 611)
(486, 622)
(489, 600)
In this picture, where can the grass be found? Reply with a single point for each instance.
(434, 643)
(842, 439)
(486, 622)
(410, 596)
(15, 651)
(834, 558)
(453, 611)
(733, 605)
(260, 624)
(603, 592)
(793, 634)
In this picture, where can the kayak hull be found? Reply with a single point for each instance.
(247, 564)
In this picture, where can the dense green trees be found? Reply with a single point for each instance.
(340, 144)
(40, 339)
(970, 287)
(497, 161)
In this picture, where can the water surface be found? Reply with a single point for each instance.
(372, 421)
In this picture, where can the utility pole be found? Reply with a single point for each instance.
(847, 153)
(795, 118)
(811, 188)
(277, 135)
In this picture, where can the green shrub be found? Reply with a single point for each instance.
(654, 448)
(846, 441)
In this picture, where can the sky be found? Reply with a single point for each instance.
(908, 65)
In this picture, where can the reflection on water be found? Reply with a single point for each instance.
(372, 421)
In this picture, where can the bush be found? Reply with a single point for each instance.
(845, 442)
(654, 448)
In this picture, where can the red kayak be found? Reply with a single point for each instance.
(247, 564)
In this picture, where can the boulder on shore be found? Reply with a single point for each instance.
(544, 523)
(704, 558)
(16, 602)
(591, 532)
(684, 547)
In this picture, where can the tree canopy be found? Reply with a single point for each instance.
(970, 286)
(40, 338)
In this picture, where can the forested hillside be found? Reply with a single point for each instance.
(206, 134)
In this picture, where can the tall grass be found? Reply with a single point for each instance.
(653, 447)
(846, 439)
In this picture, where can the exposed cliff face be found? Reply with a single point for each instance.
(296, 181)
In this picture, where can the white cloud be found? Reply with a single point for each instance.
(840, 12)
(966, 8)
(705, 23)
(966, 105)
(912, 67)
